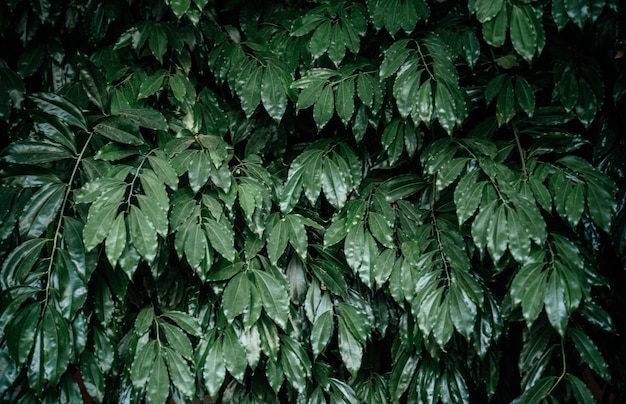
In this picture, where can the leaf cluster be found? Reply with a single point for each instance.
(329, 201)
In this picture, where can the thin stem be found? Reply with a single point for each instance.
(419, 50)
(132, 183)
(522, 154)
(57, 231)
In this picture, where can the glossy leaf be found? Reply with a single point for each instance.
(119, 129)
(221, 238)
(142, 234)
(214, 369)
(589, 353)
(58, 106)
(274, 297)
(180, 374)
(350, 349)
(273, 93)
(157, 388)
(236, 296)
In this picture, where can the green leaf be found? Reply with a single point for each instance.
(151, 84)
(179, 7)
(163, 169)
(250, 92)
(277, 240)
(119, 129)
(587, 105)
(525, 95)
(505, 107)
(424, 101)
(344, 100)
(487, 10)
(177, 340)
(350, 349)
(494, 30)
(185, 321)
(402, 373)
(195, 245)
(589, 353)
(462, 311)
(555, 303)
(158, 41)
(69, 285)
(115, 152)
(395, 57)
(92, 375)
(20, 261)
(31, 59)
(519, 241)
(559, 14)
(307, 22)
(381, 229)
(355, 321)
(142, 234)
(177, 85)
(157, 389)
(321, 332)
(53, 351)
(467, 196)
(297, 235)
(443, 326)
(577, 11)
(235, 299)
(334, 184)
(234, 355)
(273, 93)
(60, 107)
(575, 204)
(41, 210)
(221, 238)
(324, 107)
(274, 296)
(31, 152)
(99, 222)
(321, 39)
(144, 117)
(143, 363)
(580, 390)
(214, 369)
(337, 45)
(534, 296)
(498, 234)
(180, 373)
(94, 84)
(537, 392)
(292, 366)
(21, 332)
(449, 171)
(54, 129)
(523, 33)
(330, 276)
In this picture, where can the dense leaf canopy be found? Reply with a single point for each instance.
(312, 201)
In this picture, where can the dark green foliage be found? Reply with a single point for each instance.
(330, 201)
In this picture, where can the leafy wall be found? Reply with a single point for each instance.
(296, 201)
